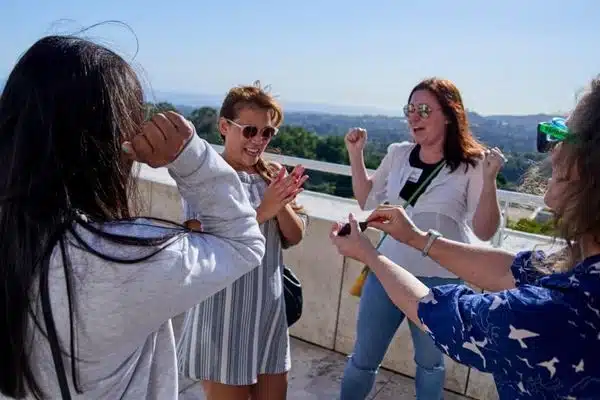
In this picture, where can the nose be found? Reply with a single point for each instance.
(258, 138)
(413, 117)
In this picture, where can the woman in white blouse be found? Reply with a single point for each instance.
(448, 184)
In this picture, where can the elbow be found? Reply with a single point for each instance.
(362, 203)
(295, 239)
(484, 234)
(258, 249)
(485, 230)
(253, 247)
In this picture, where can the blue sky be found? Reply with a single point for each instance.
(506, 56)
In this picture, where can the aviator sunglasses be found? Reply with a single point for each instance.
(423, 110)
(249, 131)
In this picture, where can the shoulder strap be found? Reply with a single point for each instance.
(431, 175)
(425, 182)
(52, 335)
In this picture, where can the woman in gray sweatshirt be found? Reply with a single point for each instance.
(89, 290)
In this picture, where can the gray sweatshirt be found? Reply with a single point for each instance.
(124, 334)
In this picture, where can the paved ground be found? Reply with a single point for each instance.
(316, 375)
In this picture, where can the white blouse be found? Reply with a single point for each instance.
(446, 205)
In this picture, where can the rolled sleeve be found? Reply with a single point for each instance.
(525, 267)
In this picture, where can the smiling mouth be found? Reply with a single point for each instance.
(417, 129)
(252, 152)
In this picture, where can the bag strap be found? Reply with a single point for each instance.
(52, 336)
(418, 191)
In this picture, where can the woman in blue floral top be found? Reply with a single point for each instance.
(538, 330)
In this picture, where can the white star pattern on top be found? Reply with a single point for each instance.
(536, 339)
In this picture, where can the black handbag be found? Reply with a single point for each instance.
(292, 292)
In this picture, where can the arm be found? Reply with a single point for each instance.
(487, 268)
(190, 269)
(361, 183)
(291, 225)
(403, 288)
(493, 332)
(487, 214)
(482, 201)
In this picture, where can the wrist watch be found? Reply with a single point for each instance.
(432, 235)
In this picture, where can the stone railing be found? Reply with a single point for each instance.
(329, 315)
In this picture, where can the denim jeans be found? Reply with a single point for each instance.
(378, 321)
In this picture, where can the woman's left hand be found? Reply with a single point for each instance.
(355, 245)
(492, 163)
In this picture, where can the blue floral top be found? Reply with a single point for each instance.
(540, 340)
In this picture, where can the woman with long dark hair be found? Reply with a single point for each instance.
(88, 289)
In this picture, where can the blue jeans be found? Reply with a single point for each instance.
(378, 321)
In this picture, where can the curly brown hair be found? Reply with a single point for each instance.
(577, 216)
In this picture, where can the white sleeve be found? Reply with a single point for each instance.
(378, 193)
(137, 298)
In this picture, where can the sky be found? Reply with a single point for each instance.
(506, 57)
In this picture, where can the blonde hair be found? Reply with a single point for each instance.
(256, 96)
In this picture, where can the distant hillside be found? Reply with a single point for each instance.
(512, 133)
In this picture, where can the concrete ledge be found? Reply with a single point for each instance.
(329, 315)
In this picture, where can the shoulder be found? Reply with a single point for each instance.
(396, 149)
(473, 167)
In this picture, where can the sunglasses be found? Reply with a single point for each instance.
(423, 110)
(249, 131)
(549, 134)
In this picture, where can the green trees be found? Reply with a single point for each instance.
(318, 138)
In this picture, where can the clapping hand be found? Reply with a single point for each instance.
(281, 191)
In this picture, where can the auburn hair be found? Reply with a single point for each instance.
(460, 146)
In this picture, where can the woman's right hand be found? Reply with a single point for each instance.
(394, 221)
(282, 190)
(161, 140)
(355, 140)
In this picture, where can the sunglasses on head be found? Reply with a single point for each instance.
(550, 133)
(249, 131)
(423, 110)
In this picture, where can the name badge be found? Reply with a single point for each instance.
(415, 174)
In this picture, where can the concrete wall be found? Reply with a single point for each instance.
(329, 315)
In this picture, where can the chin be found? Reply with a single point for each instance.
(249, 161)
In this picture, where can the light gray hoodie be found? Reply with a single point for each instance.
(124, 334)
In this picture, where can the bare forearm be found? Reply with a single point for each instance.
(361, 184)
(290, 225)
(403, 288)
(487, 215)
(484, 267)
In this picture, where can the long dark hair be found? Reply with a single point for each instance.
(460, 146)
(66, 108)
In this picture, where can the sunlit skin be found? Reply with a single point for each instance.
(428, 132)
(242, 153)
